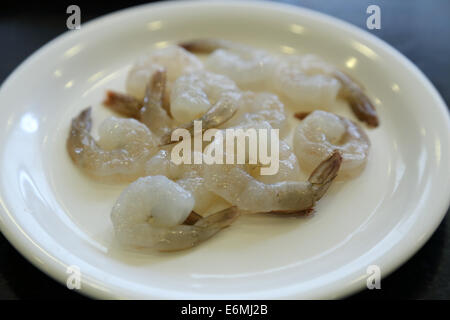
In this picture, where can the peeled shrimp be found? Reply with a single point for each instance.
(187, 175)
(175, 59)
(254, 108)
(238, 187)
(150, 111)
(195, 184)
(153, 115)
(249, 67)
(288, 166)
(309, 81)
(124, 147)
(321, 132)
(218, 114)
(151, 212)
(306, 81)
(193, 94)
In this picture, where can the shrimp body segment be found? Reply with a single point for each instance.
(305, 81)
(321, 132)
(151, 211)
(175, 59)
(195, 93)
(256, 108)
(239, 188)
(309, 81)
(124, 147)
(250, 68)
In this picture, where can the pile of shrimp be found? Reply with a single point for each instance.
(171, 207)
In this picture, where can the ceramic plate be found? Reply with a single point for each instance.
(57, 217)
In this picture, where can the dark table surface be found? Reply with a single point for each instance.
(418, 29)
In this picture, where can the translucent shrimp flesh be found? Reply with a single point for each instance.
(255, 108)
(195, 93)
(321, 132)
(153, 212)
(186, 175)
(218, 114)
(306, 81)
(174, 59)
(124, 147)
(239, 188)
(288, 166)
(309, 81)
(250, 68)
(150, 111)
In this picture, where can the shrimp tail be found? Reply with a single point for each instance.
(219, 220)
(123, 104)
(83, 121)
(204, 46)
(154, 92)
(361, 105)
(154, 114)
(364, 109)
(324, 174)
(217, 115)
(201, 230)
(79, 134)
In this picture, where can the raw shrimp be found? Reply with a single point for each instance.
(218, 114)
(250, 68)
(195, 184)
(306, 81)
(124, 147)
(150, 111)
(175, 59)
(193, 94)
(235, 185)
(151, 211)
(123, 104)
(309, 81)
(288, 166)
(254, 108)
(153, 114)
(321, 132)
(160, 164)
(187, 175)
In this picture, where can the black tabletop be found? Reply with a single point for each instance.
(419, 29)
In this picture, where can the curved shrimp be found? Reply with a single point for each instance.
(175, 59)
(309, 81)
(321, 132)
(236, 186)
(193, 94)
(150, 111)
(256, 108)
(250, 68)
(124, 147)
(218, 114)
(193, 182)
(151, 211)
(188, 176)
(304, 80)
(288, 166)
(153, 114)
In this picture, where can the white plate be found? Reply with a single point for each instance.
(56, 217)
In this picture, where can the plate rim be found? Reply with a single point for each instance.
(25, 246)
